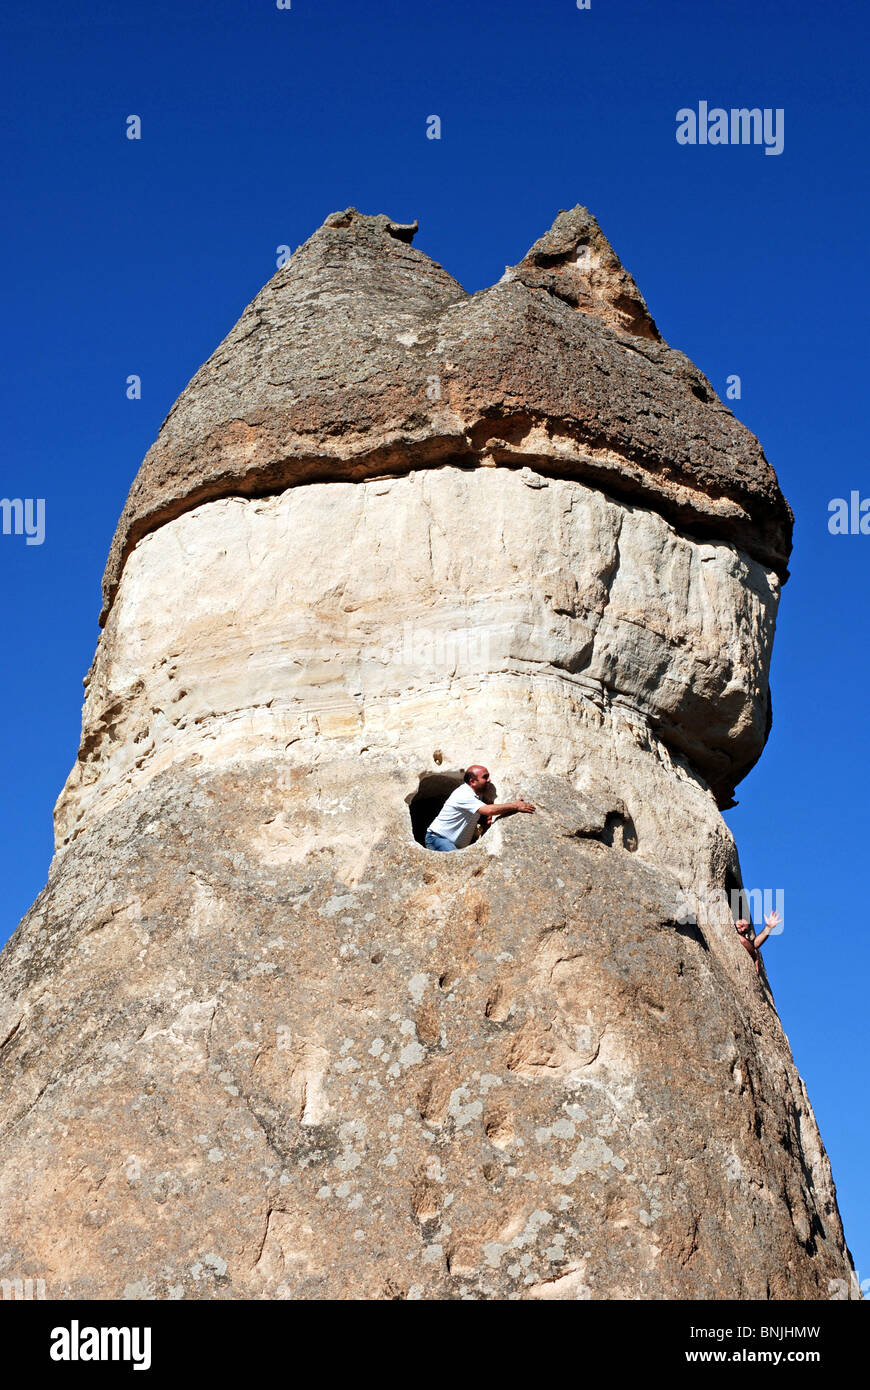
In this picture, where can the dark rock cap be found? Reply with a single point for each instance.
(362, 356)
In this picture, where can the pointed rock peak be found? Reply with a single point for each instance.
(370, 259)
(575, 262)
(360, 222)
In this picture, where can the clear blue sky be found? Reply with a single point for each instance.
(137, 257)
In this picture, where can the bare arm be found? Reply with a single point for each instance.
(770, 921)
(508, 808)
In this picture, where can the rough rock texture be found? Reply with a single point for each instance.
(263, 1045)
(363, 356)
(255, 1040)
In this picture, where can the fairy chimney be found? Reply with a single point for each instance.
(256, 1041)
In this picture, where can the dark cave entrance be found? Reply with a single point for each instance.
(425, 803)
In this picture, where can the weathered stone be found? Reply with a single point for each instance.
(255, 1040)
(361, 356)
(338, 610)
(260, 1044)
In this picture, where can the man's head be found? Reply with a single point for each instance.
(477, 778)
(744, 927)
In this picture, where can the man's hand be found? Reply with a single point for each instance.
(508, 808)
(770, 921)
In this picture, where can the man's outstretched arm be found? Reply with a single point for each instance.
(507, 809)
(770, 921)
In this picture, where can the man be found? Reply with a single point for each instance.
(456, 822)
(751, 941)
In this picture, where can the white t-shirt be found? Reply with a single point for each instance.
(458, 816)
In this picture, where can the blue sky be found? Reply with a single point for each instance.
(138, 256)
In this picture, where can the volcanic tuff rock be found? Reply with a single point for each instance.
(255, 1040)
(330, 374)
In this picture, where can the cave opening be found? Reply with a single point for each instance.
(431, 794)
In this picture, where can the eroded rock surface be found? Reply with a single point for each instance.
(364, 611)
(362, 356)
(255, 1040)
(261, 1044)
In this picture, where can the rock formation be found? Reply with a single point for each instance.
(255, 1040)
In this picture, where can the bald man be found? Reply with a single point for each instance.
(455, 824)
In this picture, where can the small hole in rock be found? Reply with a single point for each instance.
(431, 794)
(619, 831)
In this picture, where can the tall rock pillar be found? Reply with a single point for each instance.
(255, 1039)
